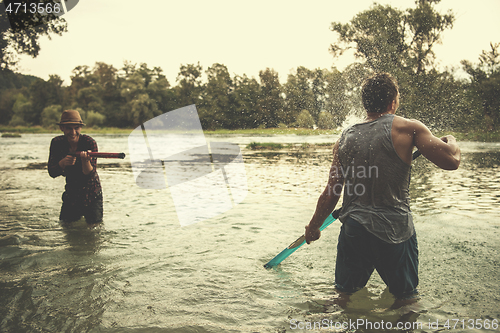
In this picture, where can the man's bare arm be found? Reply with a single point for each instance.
(444, 152)
(328, 199)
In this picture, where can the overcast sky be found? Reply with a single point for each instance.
(245, 36)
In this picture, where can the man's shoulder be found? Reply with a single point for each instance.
(404, 124)
(88, 142)
(59, 138)
(87, 138)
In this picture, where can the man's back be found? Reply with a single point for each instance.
(376, 180)
(361, 248)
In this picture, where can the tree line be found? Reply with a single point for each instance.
(127, 97)
(384, 39)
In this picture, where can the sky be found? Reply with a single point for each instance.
(245, 36)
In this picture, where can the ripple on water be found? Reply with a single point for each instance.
(142, 271)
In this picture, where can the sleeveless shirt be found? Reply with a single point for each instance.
(376, 181)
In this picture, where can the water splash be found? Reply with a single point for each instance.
(355, 116)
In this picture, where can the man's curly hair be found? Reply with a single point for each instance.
(378, 92)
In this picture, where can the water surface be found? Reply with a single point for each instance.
(142, 272)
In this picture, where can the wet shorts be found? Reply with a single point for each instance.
(72, 210)
(359, 252)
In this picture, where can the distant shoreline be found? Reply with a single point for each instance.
(477, 135)
(116, 130)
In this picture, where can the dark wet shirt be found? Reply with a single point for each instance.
(79, 187)
(376, 181)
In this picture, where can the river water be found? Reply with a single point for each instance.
(142, 272)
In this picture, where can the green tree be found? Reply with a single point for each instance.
(110, 100)
(21, 108)
(11, 84)
(318, 86)
(139, 107)
(425, 26)
(98, 90)
(122, 98)
(51, 115)
(326, 120)
(89, 98)
(353, 76)
(144, 91)
(336, 96)
(81, 78)
(20, 34)
(402, 43)
(7, 100)
(157, 87)
(305, 120)
(391, 40)
(485, 85)
(88, 88)
(42, 94)
(94, 119)
(218, 108)
(317, 91)
(11, 80)
(246, 98)
(298, 94)
(189, 86)
(271, 103)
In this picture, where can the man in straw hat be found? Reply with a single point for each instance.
(83, 193)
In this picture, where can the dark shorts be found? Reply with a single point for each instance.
(73, 209)
(359, 252)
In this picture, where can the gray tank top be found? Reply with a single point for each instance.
(376, 181)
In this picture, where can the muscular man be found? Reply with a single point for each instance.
(371, 162)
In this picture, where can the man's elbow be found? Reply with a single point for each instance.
(451, 164)
(456, 164)
(87, 172)
(54, 175)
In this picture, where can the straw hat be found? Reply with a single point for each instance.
(71, 117)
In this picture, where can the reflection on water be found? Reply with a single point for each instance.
(473, 186)
(140, 271)
(50, 278)
(81, 238)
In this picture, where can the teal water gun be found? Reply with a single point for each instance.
(302, 239)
